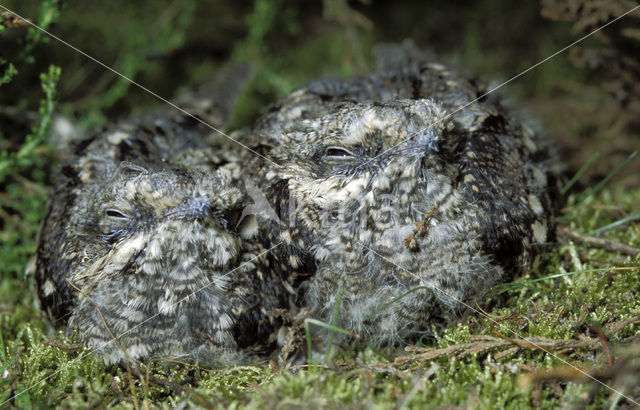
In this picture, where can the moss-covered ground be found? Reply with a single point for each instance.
(531, 343)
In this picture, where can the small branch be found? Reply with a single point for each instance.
(8, 19)
(608, 244)
(605, 343)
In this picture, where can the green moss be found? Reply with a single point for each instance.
(233, 383)
(574, 288)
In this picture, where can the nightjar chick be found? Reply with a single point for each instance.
(408, 188)
(140, 252)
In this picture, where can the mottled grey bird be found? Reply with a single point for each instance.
(409, 187)
(140, 252)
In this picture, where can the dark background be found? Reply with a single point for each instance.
(165, 45)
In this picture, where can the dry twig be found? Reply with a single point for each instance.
(608, 244)
(8, 19)
(482, 344)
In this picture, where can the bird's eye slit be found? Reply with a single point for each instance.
(338, 152)
(114, 213)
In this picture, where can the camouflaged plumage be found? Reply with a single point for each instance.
(409, 189)
(141, 245)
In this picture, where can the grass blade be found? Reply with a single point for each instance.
(632, 217)
(340, 330)
(607, 178)
(394, 300)
(334, 322)
(504, 287)
(307, 331)
(580, 172)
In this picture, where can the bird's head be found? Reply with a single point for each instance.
(152, 251)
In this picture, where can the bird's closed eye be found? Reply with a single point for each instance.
(115, 214)
(338, 152)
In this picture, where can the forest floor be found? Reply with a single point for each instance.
(565, 334)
